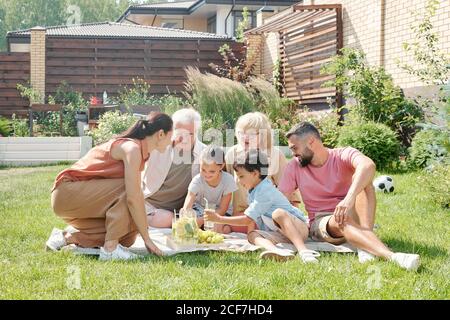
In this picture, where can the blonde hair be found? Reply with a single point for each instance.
(261, 124)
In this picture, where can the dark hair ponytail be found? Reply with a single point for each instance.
(155, 122)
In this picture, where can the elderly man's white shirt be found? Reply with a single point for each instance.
(158, 165)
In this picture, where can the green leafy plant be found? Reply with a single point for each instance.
(72, 103)
(171, 103)
(428, 148)
(20, 127)
(432, 65)
(375, 140)
(239, 66)
(5, 127)
(277, 78)
(111, 124)
(28, 92)
(234, 68)
(326, 122)
(243, 25)
(436, 180)
(137, 94)
(48, 123)
(377, 98)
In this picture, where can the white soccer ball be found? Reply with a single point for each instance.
(384, 184)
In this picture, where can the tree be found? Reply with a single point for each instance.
(25, 14)
(99, 10)
(433, 65)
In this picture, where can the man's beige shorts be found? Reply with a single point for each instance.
(318, 229)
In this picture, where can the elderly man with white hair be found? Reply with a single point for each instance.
(167, 175)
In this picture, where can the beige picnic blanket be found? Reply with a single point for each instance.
(234, 242)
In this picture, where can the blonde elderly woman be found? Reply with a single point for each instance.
(254, 131)
(167, 175)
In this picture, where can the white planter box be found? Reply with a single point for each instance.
(36, 151)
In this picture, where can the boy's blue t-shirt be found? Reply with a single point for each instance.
(263, 200)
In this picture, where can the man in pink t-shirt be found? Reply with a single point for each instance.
(336, 188)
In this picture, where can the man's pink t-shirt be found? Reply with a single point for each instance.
(322, 188)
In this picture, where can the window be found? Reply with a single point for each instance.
(211, 28)
(172, 23)
(238, 18)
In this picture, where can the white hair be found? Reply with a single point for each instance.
(188, 116)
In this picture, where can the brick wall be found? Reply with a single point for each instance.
(363, 26)
(37, 64)
(269, 54)
(255, 46)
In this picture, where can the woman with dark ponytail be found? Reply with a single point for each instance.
(100, 196)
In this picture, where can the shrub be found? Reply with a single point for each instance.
(220, 101)
(282, 126)
(111, 124)
(437, 182)
(49, 122)
(327, 123)
(27, 92)
(243, 25)
(170, 103)
(72, 103)
(377, 97)
(5, 127)
(20, 127)
(431, 63)
(233, 68)
(137, 94)
(428, 147)
(375, 140)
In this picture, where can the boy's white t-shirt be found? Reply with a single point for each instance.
(214, 195)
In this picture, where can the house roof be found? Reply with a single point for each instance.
(118, 30)
(188, 7)
(174, 5)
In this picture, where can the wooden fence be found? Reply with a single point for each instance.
(309, 37)
(93, 66)
(14, 69)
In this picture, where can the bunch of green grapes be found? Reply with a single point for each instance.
(209, 237)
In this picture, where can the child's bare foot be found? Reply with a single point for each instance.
(226, 229)
(222, 228)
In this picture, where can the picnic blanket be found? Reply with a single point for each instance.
(234, 242)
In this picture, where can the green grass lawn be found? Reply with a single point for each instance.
(409, 221)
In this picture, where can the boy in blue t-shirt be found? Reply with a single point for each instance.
(270, 217)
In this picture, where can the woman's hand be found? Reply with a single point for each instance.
(152, 248)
